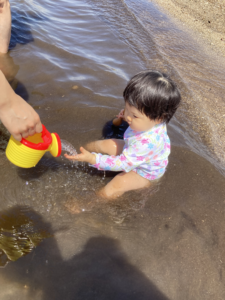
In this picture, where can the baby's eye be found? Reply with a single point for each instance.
(134, 116)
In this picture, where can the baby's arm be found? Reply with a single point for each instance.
(112, 163)
(131, 157)
(103, 162)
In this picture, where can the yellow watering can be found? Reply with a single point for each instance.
(28, 152)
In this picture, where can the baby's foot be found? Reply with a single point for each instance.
(5, 25)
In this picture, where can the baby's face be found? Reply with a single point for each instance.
(138, 121)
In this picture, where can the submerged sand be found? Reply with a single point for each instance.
(206, 18)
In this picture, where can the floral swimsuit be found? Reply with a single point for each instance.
(144, 152)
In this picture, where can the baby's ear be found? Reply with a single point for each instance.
(159, 121)
(163, 118)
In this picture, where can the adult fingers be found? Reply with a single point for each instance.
(32, 131)
(38, 127)
(25, 134)
(17, 136)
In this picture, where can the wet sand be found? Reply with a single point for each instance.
(204, 22)
(206, 19)
(171, 248)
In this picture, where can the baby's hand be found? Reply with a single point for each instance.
(119, 120)
(83, 156)
(121, 114)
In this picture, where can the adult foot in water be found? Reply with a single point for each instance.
(5, 25)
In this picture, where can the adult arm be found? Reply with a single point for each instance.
(5, 25)
(16, 114)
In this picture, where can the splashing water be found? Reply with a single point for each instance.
(67, 147)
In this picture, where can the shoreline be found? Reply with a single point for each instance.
(206, 109)
(204, 18)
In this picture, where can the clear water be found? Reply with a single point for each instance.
(72, 61)
(68, 148)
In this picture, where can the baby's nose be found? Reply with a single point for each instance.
(129, 119)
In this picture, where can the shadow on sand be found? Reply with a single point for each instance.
(100, 271)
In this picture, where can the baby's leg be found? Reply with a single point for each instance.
(110, 147)
(122, 183)
(5, 25)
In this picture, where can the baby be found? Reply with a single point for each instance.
(151, 99)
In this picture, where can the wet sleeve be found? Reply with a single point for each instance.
(130, 159)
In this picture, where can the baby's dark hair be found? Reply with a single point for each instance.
(154, 94)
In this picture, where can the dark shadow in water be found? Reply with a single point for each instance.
(101, 271)
(44, 165)
(21, 31)
(22, 91)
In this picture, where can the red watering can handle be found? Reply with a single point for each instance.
(47, 140)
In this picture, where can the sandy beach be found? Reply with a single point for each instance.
(205, 18)
(204, 22)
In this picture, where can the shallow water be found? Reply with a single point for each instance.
(20, 233)
(72, 61)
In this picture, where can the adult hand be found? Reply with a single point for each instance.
(16, 114)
